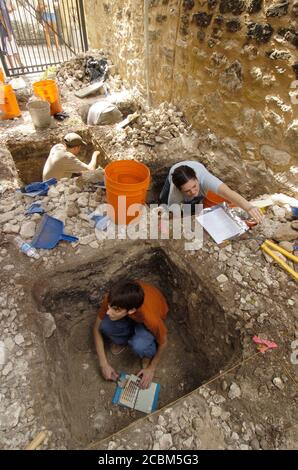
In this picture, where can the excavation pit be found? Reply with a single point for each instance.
(30, 157)
(202, 341)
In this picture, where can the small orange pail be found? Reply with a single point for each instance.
(48, 91)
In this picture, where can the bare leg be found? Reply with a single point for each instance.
(10, 61)
(47, 34)
(18, 60)
(54, 26)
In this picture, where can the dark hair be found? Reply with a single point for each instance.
(126, 294)
(182, 175)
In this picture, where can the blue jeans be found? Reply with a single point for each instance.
(127, 331)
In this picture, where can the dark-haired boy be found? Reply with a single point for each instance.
(132, 314)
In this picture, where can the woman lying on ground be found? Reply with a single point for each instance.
(188, 182)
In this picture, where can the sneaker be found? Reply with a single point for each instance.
(117, 349)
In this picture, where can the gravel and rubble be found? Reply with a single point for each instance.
(253, 404)
(153, 127)
(264, 301)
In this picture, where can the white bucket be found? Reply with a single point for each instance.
(40, 114)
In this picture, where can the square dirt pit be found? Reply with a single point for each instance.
(30, 157)
(202, 341)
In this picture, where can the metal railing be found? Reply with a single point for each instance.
(35, 34)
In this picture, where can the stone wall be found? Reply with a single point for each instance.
(117, 26)
(229, 65)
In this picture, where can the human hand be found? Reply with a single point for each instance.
(147, 377)
(256, 214)
(109, 373)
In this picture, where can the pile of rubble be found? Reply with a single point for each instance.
(257, 281)
(71, 201)
(155, 126)
(74, 74)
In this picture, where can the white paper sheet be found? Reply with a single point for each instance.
(219, 225)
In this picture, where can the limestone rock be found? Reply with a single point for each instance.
(260, 32)
(83, 200)
(294, 225)
(278, 383)
(9, 417)
(234, 392)
(7, 369)
(292, 135)
(48, 324)
(285, 233)
(255, 6)
(232, 6)
(279, 212)
(222, 278)
(216, 411)
(231, 79)
(28, 229)
(72, 209)
(19, 339)
(287, 246)
(165, 442)
(53, 192)
(3, 353)
(11, 228)
(274, 157)
(278, 8)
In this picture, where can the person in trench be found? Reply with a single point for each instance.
(132, 314)
(62, 161)
(189, 181)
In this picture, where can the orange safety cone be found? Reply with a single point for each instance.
(2, 78)
(9, 107)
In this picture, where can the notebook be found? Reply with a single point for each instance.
(130, 395)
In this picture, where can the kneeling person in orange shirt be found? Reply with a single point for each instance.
(132, 314)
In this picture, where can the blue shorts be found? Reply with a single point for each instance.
(49, 17)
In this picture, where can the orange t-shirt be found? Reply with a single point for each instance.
(152, 312)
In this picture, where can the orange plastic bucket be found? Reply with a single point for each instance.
(48, 91)
(126, 178)
(9, 107)
(212, 199)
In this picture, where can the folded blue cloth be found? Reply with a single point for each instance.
(38, 188)
(35, 208)
(101, 221)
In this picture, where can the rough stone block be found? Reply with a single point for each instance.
(260, 32)
(232, 6)
(233, 25)
(202, 19)
(255, 6)
(278, 8)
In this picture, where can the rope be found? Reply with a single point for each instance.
(95, 444)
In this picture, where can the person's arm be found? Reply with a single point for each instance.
(148, 373)
(93, 161)
(106, 369)
(239, 201)
(72, 164)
